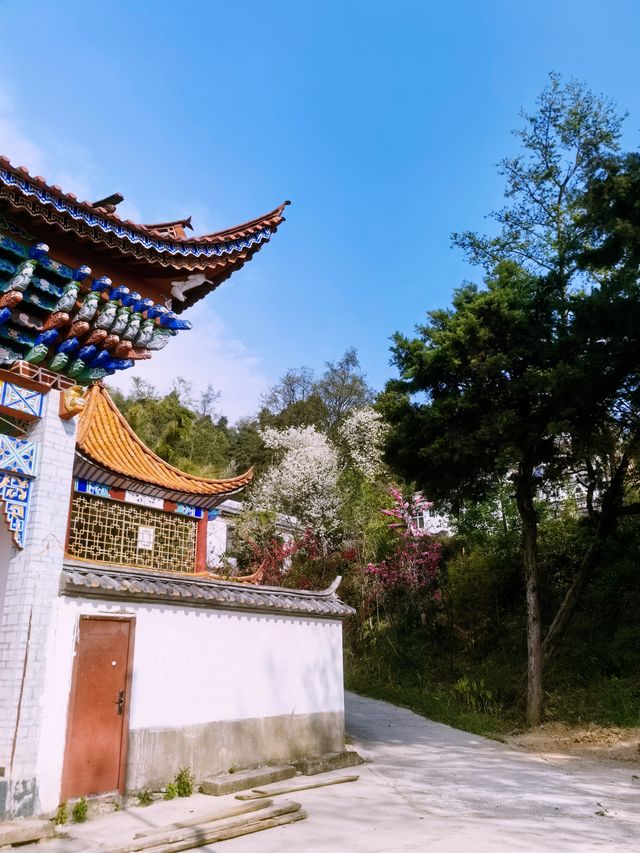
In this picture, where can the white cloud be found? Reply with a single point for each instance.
(209, 353)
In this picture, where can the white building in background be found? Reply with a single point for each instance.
(432, 522)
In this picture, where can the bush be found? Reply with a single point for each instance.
(171, 792)
(470, 594)
(473, 695)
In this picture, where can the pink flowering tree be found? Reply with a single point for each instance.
(406, 581)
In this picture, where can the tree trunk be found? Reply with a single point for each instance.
(570, 601)
(535, 690)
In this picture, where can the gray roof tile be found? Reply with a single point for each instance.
(107, 582)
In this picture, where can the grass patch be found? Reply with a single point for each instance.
(171, 791)
(184, 782)
(604, 702)
(62, 814)
(483, 703)
(145, 798)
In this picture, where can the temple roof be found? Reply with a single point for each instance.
(159, 250)
(106, 442)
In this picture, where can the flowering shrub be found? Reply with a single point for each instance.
(413, 562)
(274, 559)
(297, 563)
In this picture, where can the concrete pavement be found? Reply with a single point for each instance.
(427, 787)
(431, 787)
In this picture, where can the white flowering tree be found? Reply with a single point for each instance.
(333, 488)
(303, 481)
(362, 436)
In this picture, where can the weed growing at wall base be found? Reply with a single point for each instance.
(184, 782)
(79, 811)
(145, 798)
(62, 814)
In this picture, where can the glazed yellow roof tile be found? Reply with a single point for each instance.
(107, 439)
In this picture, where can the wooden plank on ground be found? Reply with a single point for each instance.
(259, 793)
(192, 836)
(226, 834)
(209, 817)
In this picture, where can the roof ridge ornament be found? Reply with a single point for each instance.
(109, 203)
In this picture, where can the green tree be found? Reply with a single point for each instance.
(247, 447)
(509, 373)
(294, 401)
(180, 427)
(301, 399)
(486, 367)
(343, 388)
(562, 145)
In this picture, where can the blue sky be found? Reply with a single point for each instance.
(382, 122)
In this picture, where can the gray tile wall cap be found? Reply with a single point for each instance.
(105, 582)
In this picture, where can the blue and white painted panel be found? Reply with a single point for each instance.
(89, 487)
(18, 458)
(186, 509)
(22, 401)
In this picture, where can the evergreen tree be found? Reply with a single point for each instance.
(520, 377)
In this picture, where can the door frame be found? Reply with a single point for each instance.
(124, 741)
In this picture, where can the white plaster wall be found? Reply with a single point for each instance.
(193, 665)
(232, 666)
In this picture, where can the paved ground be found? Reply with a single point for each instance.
(427, 787)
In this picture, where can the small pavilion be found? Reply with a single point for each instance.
(159, 512)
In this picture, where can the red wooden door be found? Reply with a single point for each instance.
(96, 728)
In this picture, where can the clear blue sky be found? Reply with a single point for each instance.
(382, 122)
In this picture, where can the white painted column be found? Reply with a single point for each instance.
(31, 589)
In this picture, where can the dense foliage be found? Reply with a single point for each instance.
(181, 427)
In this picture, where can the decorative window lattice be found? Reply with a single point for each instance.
(106, 531)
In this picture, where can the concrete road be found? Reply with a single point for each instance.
(433, 788)
(426, 787)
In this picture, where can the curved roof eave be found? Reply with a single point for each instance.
(38, 196)
(105, 440)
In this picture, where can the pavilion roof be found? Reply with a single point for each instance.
(159, 250)
(106, 441)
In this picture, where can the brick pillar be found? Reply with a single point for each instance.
(32, 578)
